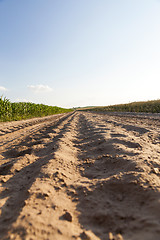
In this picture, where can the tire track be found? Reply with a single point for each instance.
(28, 127)
(15, 191)
(121, 196)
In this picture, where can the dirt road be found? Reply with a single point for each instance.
(80, 176)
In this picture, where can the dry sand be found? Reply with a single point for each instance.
(80, 176)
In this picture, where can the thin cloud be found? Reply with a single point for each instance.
(40, 88)
(3, 89)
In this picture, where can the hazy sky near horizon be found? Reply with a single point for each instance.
(80, 52)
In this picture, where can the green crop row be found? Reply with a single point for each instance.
(148, 107)
(22, 110)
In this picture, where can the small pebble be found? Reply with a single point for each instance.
(67, 216)
(84, 236)
(156, 170)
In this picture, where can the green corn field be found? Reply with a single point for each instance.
(23, 110)
(147, 106)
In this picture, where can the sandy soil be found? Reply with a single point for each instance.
(80, 176)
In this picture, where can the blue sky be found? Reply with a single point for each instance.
(80, 52)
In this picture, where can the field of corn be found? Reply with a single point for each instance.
(148, 107)
(23, 110)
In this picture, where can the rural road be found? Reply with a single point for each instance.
(80, 175)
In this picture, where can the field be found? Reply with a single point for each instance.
(80, 175)
(24, 110)
(147, 107)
